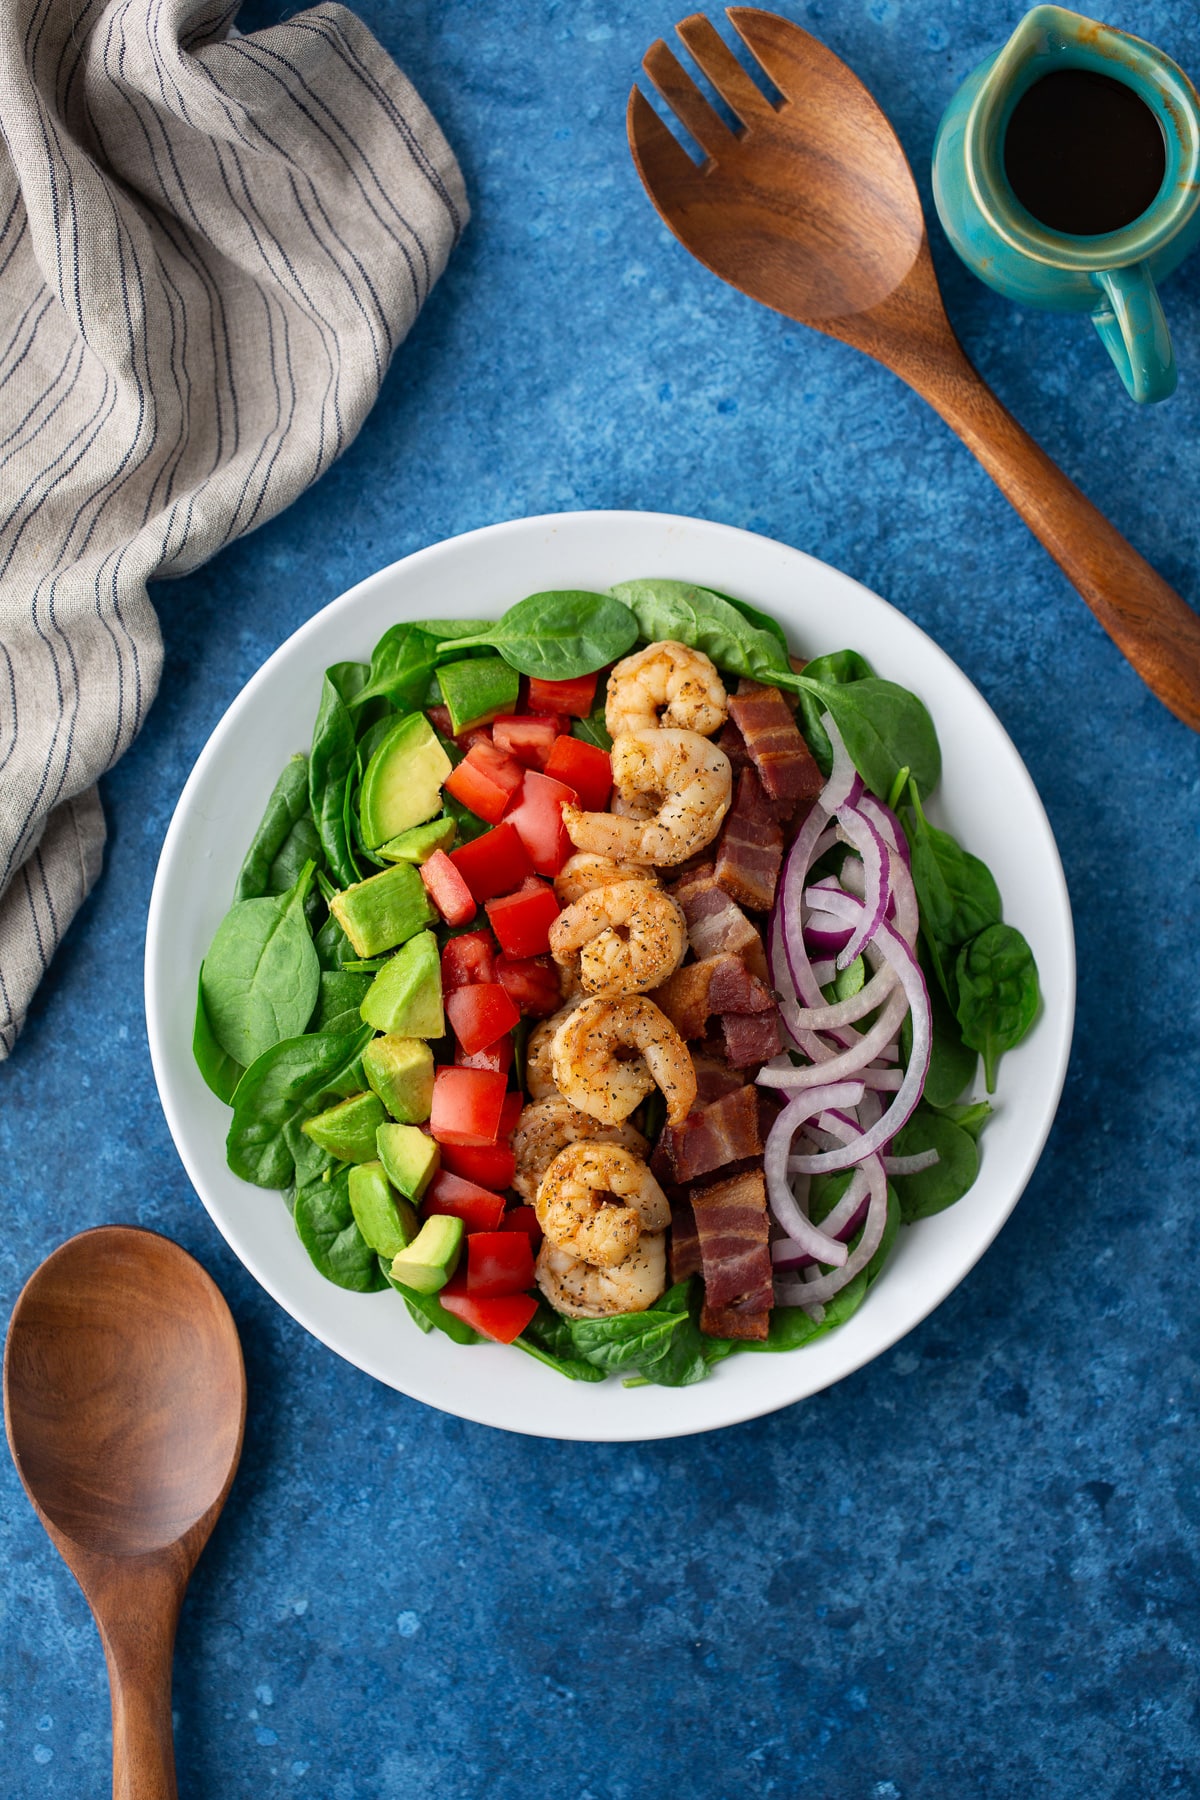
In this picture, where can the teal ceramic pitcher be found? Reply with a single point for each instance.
(1110, 273)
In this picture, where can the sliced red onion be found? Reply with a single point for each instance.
(784, 1205)
(847, 1063)
(911, 1165)
(887, 824)
(807, 1293)
(877, 889)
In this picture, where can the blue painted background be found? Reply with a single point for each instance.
(969, 1570)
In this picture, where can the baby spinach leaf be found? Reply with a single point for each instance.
(301, 845)
(327, 1230)
(952, 1064)
(310, 1159)
(402, 663)
(286, 806)
(760, 620)
(933, 1190)
(557, 635)
(663, 1343)
(883, 726)
(839, 666)
(548, 1338)
(997, 994)
(260, 979)
(971, 1117)
(220, 1071)
(333, 946)
(331, 764)
(696, 616)
(956, 892)
(340, 996)
(287, 1084)
(427, 1312)
(592, 730)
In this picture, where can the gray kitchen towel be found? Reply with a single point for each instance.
(210, 246)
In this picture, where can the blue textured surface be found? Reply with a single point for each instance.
(971, 1569)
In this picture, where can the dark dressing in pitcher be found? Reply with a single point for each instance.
(1083, 153)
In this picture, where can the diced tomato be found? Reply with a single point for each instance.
(447, 889)
(497, 1056)
(480, 1014)
(467, 1104)
(451, 1196)
(522, 920)
(584, 767)
(495, 863)
(485, 780)
(523, 1218)
(536, 816)
(529, 739)
(475, 734)
(572, 697)
(498, 1262)
(502, 1319)
(510, 1112)
(467, 958)
(533, 982)
(491, 1165)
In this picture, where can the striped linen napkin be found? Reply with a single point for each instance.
(210, 246)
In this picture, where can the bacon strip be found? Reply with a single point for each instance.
(785, 764)
(750, 849)
(714, 1077)
(753, 1039)
(723, 1132)
(715, 923)
(718, 984)
(731, 1220)
(685, 1241)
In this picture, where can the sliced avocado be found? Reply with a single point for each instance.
(410, 1159)
(348, 1129)
(477, 689)
(387, 1222)
(405, 997)
(384, 910)
(419, 844)
(402, 785)
(400, 1070)
(432, 1257)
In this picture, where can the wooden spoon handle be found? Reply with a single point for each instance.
(1144, 616)
(141, 1610)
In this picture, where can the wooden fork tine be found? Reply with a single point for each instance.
(777, 46)
(663, 163)
(686, 101)
(724, 70)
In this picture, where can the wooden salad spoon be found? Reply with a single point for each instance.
(811, 208)
(125, 1400)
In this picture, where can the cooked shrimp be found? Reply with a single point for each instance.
(583, 871)
(624, 939)
(578, 1202)
(547, 1127)
(673, 790)
(587, 1063)
(580, 1291)
(666, 684)
(539, 1082)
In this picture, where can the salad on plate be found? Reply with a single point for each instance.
(597, 981)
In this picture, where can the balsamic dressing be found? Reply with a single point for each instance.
(1083, 153)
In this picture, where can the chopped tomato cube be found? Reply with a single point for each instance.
(536, 816)
(495, 863)
(522, 920)
(485, 780)
(467, 958)
(573, 697)
(480, 1014)
(529, 739)
(451, 1196)
(491, 1165)
(533, 982)
(584, 767)
(510, 1112)
(498, 1262)
(467, 1104)
(447, 889)
(497, 1056)
(502, 1319)
(523, 1218)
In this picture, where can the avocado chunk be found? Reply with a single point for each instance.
(410, 1158)
(419, 844)
(477, 689)
(348, 1129)
(384, 910)
(402, 785)
(387, 1222)
(431, 1259)
(400, 1071)
(405, 997)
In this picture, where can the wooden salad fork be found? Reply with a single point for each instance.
(810, 206)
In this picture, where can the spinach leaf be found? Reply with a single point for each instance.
(220, 1071)
(310, 1159)
(998, 994)
(548, 1338)
(331, 763)
(341, 994)
(557, 635)
(592, 730)
(952, 1064)
(839, 666)
(696, 616)
(663, 1343)
(427, 1312)
(957, 893)
(883, 726)
(970, 1117)
(450, 630)
(286, 1085)
(933, 1190)
(402, 663)
(286, 806)
(327, 1230)
(760, 620)
(301, 845)
(260, 979)
(333, 946)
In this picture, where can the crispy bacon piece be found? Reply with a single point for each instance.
(714, 1077)
(751, 1038)
(733, 744)
(712, 1136)
(750, 848)
(785, 763)
(718, 984)
(715, 923)
(685, 1240)
(731, 1221)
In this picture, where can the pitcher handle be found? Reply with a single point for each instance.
(1134, 332)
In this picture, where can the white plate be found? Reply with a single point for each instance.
(987, 797)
